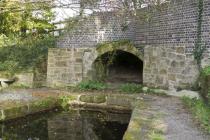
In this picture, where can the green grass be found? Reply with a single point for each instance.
(206, 71)
(131, 88)
(200, 110)
(91, 85)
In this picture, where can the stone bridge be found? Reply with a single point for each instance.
(157, 53)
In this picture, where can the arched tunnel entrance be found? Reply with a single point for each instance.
(119, 67)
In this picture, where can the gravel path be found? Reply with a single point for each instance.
(178, 120)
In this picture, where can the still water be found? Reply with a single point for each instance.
(69, 125)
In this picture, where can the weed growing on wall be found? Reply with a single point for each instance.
(199, 47)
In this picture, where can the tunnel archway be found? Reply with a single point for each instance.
(118, 66)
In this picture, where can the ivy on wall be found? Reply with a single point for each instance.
(199, 47)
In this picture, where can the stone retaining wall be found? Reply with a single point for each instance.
(169, 67)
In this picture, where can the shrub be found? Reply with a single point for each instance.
(91, 85)
(25, 55)
(200, 110)
(131, 88)
(205, 84)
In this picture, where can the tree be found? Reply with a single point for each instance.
(19, 18)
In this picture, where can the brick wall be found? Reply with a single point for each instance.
(100, 27)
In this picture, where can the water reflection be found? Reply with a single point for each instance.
(71, 125)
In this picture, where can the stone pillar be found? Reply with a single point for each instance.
(64, 67)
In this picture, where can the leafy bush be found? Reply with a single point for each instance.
(25, 55)
(131, 88)
(208, 97)
(91, 85)
(200, 110)
(205, 84)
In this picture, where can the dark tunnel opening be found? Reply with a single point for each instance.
(119, 67)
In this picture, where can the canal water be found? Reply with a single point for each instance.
(67, 125)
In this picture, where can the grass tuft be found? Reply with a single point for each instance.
(91, 85)
(200, 110)
(131, 88)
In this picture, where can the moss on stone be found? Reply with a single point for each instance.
(206, 71)
(41, 105)
(93, 98)
(13, 112)
(124, 45)
(64, 100)
(110, 46)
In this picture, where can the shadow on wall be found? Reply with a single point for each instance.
(118, 67)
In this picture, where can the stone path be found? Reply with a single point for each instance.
(12, 96)
(178, 121)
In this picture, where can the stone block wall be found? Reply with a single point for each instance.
(169, 67)
(25, 79)
(64, 66)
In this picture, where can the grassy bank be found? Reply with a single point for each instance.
(200, 111)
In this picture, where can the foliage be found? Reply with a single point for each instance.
(199, 48)
(64, 100)
(204, 84)
(24, 34)
(131, 88)
(200, 110)
(206, 71)
(21, 18)
(26, 54)
(208, 96)
(91, 85)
